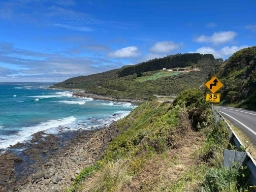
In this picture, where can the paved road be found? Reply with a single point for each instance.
(244, 119)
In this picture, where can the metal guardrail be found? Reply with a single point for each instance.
(248, 161)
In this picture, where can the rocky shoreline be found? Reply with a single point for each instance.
(51, 162)
(81, 93)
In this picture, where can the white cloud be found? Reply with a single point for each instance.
(211, 25)
(222, 53)
(217, 37)
(251, 27)
(165, 47)
(25, 65)
(126, 52)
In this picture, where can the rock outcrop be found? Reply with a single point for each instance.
(51, 163)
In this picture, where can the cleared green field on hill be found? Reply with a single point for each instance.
(157, 75)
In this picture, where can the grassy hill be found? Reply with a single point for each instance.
(238, 74)
(144, 84)
(164, 147)
(171, 61)
(146, 79)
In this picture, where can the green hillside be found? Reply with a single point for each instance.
(146, 83)
(165, 147)
(238, 74)
(171, 61)
(146, 79)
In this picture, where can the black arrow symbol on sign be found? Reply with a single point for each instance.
(214, 84)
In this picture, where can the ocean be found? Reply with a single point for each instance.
(27, 108)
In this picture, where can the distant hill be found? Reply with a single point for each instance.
(171, 61)
(88, 82)
(238, 74)
(146, 79)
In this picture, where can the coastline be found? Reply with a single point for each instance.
(52, 162)
(81, 93)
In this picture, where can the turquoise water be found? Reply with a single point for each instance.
(27, 108)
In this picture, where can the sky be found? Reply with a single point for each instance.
(53, 40)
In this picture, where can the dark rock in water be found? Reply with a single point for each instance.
(18, 160)
(37, 137)
(18, 145)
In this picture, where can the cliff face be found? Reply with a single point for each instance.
(239, 77)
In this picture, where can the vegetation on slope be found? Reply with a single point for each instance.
(152, 76)
(163, 147)
(171, 61)
(238, 74)
(146, 79)
(146, 83)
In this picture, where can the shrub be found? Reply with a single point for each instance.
(197, 107)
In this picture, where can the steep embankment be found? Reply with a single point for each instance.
(162, 147)
(238, 74)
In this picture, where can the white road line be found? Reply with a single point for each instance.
(241, 111)
(240, 123)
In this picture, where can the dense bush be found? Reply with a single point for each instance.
(238, 74)
(197, 107)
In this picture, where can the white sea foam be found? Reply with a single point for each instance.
(81, 102)
(26, 132)
(120, 115)
(46, 96)
(58, 94)
(108, 104)
(118, 104)
(65, 94)
(128, 105)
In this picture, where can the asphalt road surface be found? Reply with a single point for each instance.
(243, 119)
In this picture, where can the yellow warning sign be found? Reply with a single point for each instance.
(214, 97)
(214, 84)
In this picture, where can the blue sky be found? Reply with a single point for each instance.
(50, 41)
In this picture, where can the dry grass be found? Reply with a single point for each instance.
(176, 169)
(163, 171)
(111, 178)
